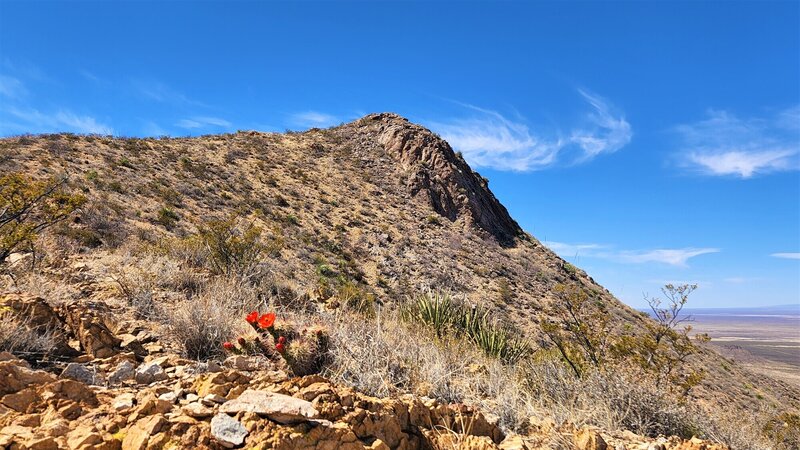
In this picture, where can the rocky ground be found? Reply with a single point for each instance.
(118, 389)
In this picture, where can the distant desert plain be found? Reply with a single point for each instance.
(764, 339)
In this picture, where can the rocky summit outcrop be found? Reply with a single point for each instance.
(206, 406)
(454, 190)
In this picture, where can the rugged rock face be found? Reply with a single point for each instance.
(454, 189)
(263, 409)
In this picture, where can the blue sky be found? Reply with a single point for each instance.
(646, 142)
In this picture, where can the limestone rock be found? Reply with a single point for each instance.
(589, 439)
(79, 372)
(278, 407)
(227, 430)
(87, 324)
(123, 402)
(197, 410)
(138, 435)
(124, 371)
(150, 373)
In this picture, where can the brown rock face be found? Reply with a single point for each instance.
(589, 439)
(87, 325)
(453, 189)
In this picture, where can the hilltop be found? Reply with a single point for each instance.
(342, 229)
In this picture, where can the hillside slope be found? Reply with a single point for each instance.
(380, 203)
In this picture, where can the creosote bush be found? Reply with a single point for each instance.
(235, 246)
(28, 206)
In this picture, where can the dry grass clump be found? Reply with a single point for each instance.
(200, 324)
(21, 339)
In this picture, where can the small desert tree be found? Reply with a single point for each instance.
(664, 346)
(28, 206)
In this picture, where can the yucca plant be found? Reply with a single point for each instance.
(434, 309)
(443, 314)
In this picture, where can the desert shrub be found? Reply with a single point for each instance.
(783, 430)
(664, 346)
(579, 329)
(612, 401)
(28, 206)
(355, 297)
(167, 218)
(236, 247)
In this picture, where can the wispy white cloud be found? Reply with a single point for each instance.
(489, 139)
(313, 119)
(741, 280)
(202, 122)
(678, 257)
(786, 255)
(161, 92)
(151, 128)
(608, 133)
(574, 249)
(724, 144)
(12, 87)
(673, 256)
(36, 121)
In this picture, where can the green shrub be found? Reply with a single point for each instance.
(235, 247)
(167, 218)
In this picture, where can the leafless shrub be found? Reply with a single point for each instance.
(20, 339)
(200, 324)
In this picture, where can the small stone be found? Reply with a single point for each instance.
(227, 430)
(197, 411)
(123, 402)
(137, 436)
(242, 362)
(79, 372)
(124, 371)
(83, 437)
(169, 397)
(214, 398)
(150, 373)
(192, 397)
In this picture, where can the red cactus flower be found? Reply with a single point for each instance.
(266, 320)
(281, 340)
(227, 346)
(252, 317)
(280, 347)
(242, 341)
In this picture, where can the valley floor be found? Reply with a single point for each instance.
(766, 342)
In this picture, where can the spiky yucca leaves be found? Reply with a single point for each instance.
(440, 312)
(434, 309)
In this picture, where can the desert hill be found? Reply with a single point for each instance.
(351, 224)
